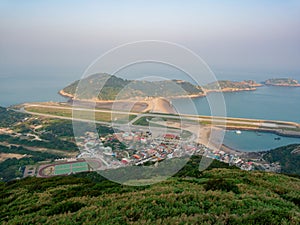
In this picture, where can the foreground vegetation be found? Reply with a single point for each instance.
(215, 196)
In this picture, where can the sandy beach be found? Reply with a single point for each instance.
(161, 105)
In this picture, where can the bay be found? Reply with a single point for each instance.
(249, 141)
(267, 102)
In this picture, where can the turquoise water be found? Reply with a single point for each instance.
(270, 103)
(249, 141)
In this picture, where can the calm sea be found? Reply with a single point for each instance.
(32, 88)
(274, 103)
(267, 102)
(256, 141)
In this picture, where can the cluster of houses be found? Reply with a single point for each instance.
(136, 148)
(243, 163)
(232, 159)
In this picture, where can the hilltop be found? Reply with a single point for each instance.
(119, 88)
(215, 196)
(287, 156)
(116, 87)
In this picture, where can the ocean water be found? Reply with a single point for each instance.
(267, 102)
(273, 103)
(249, 141)
(15, 89)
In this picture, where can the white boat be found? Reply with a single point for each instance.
(238, 132)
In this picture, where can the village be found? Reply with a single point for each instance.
(138, 148)
(133, 148)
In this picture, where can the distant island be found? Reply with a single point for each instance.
(118, 88)
(231, 86)
(286, 82)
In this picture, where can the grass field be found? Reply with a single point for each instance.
(62, 169)
(78, 167)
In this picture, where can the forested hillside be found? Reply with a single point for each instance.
(215, 196)
(287, 156)
(114, 87)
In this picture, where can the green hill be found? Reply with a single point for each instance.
(287, 156)
(124, 89)
(127, 88)
(215, 196)
(227, 85)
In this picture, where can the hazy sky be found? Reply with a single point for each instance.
(66, 36)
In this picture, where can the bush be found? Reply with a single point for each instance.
(222, 185)
(65, 207)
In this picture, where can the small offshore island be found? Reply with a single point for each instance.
(284, 82)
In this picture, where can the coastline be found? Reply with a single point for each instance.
(231, 150)
(283, 85)
(159, 105)
(70, 96)
(66, 95)
(232, 90)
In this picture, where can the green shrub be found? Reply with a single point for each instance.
(222, 185)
